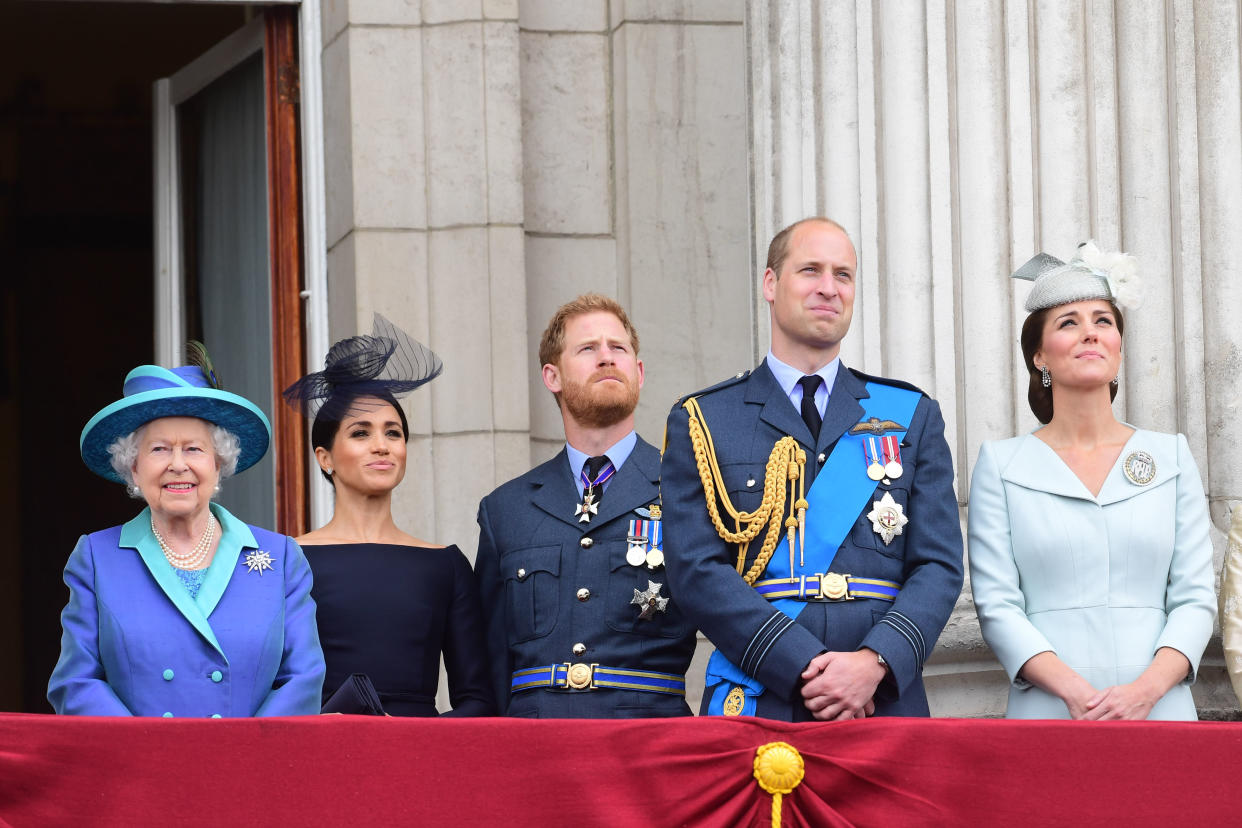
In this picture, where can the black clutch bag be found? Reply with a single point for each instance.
(357, 696)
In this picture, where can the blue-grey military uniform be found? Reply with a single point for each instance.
(767, 649)
(558, 598)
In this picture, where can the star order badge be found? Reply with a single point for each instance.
(887, 518)
(257, 560)
(650, 600)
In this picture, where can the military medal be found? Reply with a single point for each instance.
(1140, 468)
(655, 552)
(650, 601)
(257, 560)
(636, 554)
(871, 453)
(887, 518)
(892, 456)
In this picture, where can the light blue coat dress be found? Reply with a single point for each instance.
(1103, 582)
(135, 643)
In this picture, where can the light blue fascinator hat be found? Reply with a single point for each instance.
(151, 392)
(1091, 274)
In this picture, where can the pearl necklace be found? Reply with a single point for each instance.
(195, 557)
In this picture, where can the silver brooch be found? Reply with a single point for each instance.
(1140, 468)
(258, 560)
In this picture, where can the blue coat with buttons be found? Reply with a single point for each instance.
(135, 643)
(549, 582)
(746, 415)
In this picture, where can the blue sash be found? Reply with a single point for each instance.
(836, 498)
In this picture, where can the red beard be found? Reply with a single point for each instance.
(596, 405)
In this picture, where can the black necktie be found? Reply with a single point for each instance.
(810, 414)
(594, 474)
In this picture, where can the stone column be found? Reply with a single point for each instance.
(424, 224)
(956, 139)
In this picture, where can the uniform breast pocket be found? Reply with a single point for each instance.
(743, 483)
(892, 517)
(623, 613)
(530, 590)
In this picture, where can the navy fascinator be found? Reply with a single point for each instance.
(386, 364)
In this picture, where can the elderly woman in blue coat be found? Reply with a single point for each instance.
(1090, 561)
(184, 610)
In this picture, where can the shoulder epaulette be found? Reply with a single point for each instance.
(896, 383)
(733, 380)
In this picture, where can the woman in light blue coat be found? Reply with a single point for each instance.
(1090, 562)
(184, 610)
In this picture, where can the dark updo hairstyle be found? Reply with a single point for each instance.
(1040, 398)
(329, 418)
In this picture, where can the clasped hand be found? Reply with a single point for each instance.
(1121, 701)
(838, 686)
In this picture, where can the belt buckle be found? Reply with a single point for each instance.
(833, 586)
(580, 676)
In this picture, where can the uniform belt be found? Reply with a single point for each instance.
(566, 676)
(828, 586)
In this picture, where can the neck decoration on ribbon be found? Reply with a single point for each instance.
(589, 505)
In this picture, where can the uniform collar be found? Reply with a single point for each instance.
(617, 454)
(787, 377)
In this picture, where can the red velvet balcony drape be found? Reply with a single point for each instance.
(697, 772)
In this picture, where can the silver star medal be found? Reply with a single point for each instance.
(650, 601)
(257, 560)
(887, 518)
(586, 508)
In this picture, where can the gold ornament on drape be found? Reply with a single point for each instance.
(778, 770)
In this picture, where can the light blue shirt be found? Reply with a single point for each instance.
(787, 378)
(617, 454)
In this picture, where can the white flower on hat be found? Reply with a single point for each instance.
(1120, 270)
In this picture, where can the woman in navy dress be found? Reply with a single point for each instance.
(389, 604)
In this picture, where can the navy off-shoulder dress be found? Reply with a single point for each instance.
(389, 611)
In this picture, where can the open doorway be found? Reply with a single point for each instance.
(77, 245)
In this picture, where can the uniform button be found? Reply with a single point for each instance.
(217, 676)
(168, 715)
(579, 648)
(822, 458)
(584, 594)
(215, 716)
(585, 543)
(521, 573)
(750, 482)
(168, 675)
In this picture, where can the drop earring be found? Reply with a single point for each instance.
(1044, 377)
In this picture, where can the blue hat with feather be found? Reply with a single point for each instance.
(151, 392)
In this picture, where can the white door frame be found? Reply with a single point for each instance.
(169, 306)
(171, 92)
